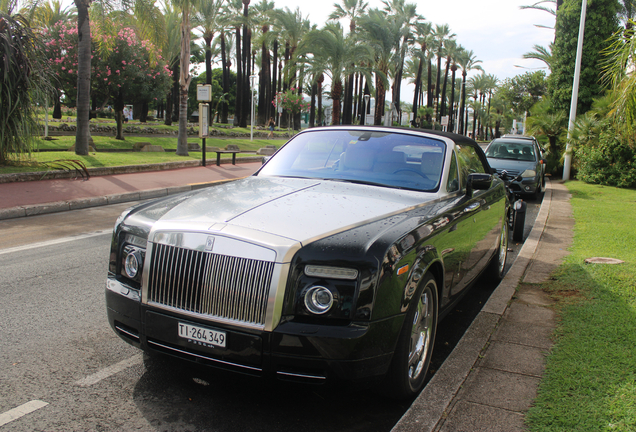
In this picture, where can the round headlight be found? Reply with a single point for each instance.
(318, 300)
(131, 264)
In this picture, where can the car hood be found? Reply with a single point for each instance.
(298, 209)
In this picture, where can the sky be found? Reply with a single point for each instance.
(497, 31)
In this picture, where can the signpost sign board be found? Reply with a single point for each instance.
(204, 92)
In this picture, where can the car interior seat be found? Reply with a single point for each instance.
(387, 162)
(431, 165)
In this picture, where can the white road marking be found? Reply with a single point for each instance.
(22, 410)
(110, 370)
(56, 241)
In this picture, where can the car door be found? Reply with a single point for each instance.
(484, 210)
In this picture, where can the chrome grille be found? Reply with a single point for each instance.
(216, 286)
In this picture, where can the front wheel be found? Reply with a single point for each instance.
(415, 345)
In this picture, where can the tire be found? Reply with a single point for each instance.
(518, 224)
(495, 270)
(538, 191)
(412, 356)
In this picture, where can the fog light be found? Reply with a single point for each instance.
(318, 300)
(527, 188)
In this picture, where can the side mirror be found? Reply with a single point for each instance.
(265, 159)
(477, 181)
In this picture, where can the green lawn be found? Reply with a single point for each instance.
(104, 159)
(590, 380)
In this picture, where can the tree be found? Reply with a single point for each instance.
(424, 39)
(382, 34)
(207, 18)
(335, 55)
(132, 70)
(601, 22)
(467, 62)
(25, 77)
(82, 133)
(187, 8)
(542, 54)
(441, 35)
(523, 91)
(620, 58)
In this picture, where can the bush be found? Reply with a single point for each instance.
(611, 161)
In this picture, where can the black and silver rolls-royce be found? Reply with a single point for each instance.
(336, 259)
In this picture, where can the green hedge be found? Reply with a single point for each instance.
(611, 161)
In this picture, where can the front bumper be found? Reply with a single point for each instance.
(525, 187)
(293, 351)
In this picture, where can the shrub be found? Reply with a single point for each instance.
(611, 161)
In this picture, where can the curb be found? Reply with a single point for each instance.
(62, 206)
(429, 408)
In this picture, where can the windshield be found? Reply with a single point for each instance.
(510, 150)
(379, 158)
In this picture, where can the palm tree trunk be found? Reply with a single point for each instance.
(184, 83)
(238, 111)
(336, 92)
(437, 82)
(418, 88)
(462, 127)
(452, 101)
(380, 96)
(83, 77)
(312, 111)
(443, 101)
(225, 79)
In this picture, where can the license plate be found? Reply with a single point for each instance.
(202, 336)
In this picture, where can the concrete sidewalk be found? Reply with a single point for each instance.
(490, 379)
(28, 198)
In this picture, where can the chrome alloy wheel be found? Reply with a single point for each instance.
(503, 249)
(421, 334)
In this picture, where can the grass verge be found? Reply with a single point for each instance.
(590, 379)
(107, 159)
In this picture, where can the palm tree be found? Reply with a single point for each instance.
(442, 34)
(619, 76)
(459, 52)
(424, 38)
(335, 55)
(541, 53)
(207, 18)
(381, 33)
(451, 54)
(406, 18)
(351, 9)
(266, 39)
(171, 52)
(467, 62)
(291, 28)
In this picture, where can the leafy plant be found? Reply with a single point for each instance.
(24, 77)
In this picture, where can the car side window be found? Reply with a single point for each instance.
(469, 162)
(453, 175)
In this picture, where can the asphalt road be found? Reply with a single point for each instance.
(62, 368)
